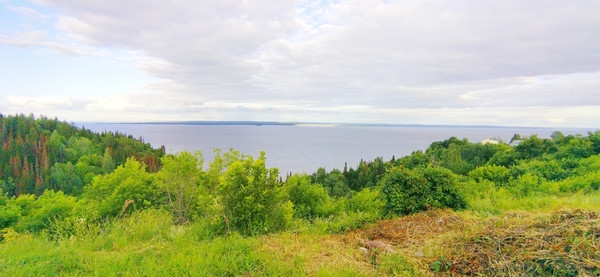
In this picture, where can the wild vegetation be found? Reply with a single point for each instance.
(76, 203)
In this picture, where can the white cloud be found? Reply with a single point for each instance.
(26, 11)
(38, 103)
(425, 61)
(40, 40)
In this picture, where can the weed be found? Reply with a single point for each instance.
(440, 265)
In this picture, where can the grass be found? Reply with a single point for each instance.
(535, 236)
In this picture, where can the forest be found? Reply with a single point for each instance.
(78, 203)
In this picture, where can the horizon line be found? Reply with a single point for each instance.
(321, 124)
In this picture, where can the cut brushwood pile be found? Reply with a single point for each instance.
(562, 243)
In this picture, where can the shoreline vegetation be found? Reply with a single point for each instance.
(78, 203)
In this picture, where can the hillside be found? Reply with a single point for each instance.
(77, 203)
(41, 153)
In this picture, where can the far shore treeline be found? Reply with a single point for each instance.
(67, 189)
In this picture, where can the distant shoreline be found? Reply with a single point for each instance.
(320, 124)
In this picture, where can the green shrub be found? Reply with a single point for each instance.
(36, 214)
(310, 200)
(409, 191)
(495, 173)
(128, 188)
(254, 200)
(182, 181)
(9, 211)
(367, 201)
(525, 185)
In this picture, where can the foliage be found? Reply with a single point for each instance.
(334, 182)
(253, 199)
(77, 203)
(409, 191)
(499, 175)
(9, 211)
(129, 187)
(366, 175)
(367, 201)
(532, 147)
(309, 200)
(64, 177)
(182, 180)
(36, 214)
(417, 158)
(37, 154)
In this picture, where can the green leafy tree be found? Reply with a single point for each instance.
(334, 182)
(409, 191)
(506, 157)
(9, 211)
(49, 206)
(577, 148)
(57, 148)
(64, 177)
(129, 187)
(367, 201)
(310, 200)
(78, 147)
(443, 189)
(451, 158)
(181, 179)
(531, 147)
(219, 165)
(594, 138)
(87, 167)
(253, 199)
(107, 163)
(547, 169)
(417, 158)
(500, 175)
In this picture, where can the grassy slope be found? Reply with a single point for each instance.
(554, 240)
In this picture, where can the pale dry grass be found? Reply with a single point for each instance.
(315, 254)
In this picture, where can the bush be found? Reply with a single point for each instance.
(49, 206)
(129, 187)
(9, 211)
(253, 199)
(367, 201)
(181, 179)
(310, 200)
(409, 191)
(495, 173)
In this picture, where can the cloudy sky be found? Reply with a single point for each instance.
(510, 62)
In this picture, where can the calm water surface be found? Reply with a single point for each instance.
(306, 148)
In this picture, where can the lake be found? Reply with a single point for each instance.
(298, 148)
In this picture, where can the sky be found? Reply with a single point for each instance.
(468, 62)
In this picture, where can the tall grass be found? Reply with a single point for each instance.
(146, 243)
(484, 197)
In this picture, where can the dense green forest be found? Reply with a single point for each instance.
(40, 154)
(69, 191)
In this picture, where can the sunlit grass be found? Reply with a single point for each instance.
(146, 243)
(499, 201)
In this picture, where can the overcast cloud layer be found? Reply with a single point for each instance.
(523, 63)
